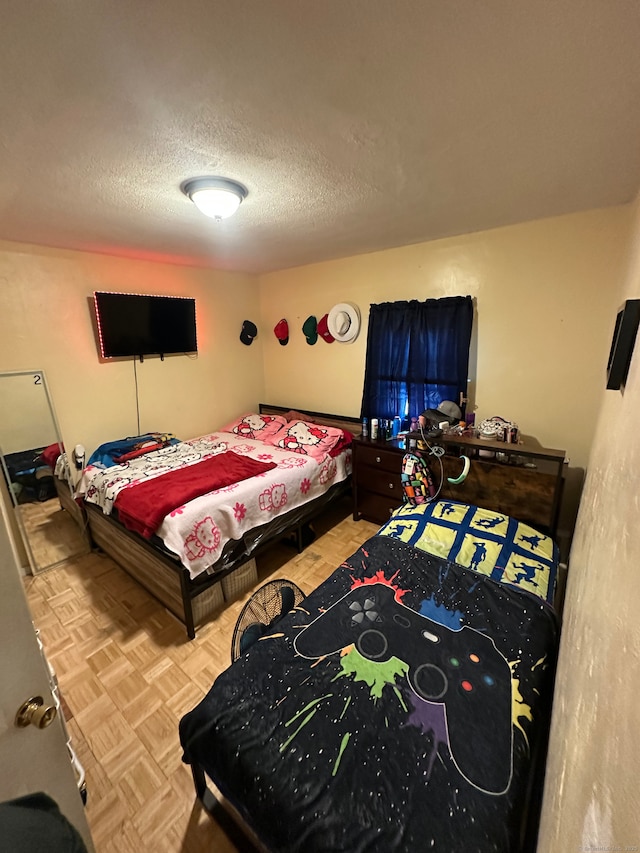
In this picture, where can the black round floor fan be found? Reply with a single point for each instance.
(269, 603)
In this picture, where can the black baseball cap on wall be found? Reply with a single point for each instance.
(248, 333)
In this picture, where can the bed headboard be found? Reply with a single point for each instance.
(341, 421)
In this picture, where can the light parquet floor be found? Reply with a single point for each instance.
(127, 674)
(53, 534)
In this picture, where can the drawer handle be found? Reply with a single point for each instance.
(378, 459)
(391, 485)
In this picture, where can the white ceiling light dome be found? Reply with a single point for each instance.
(218, 198)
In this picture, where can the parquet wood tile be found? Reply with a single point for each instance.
(101, 788)
(109, 663)
(127, 675)
(158, 732)
(188, 697)
(156, 818)
(167, 678)
(118, 760)
(83, 750)
(141, 780)
(59, 639)
(109, 817)
(53, 534)
(90, 637)
(81, 692)
(129, 688)
(125, 841)
(144, 705)
(109, 733)
(69, 661)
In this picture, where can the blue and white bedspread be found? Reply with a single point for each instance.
(487, 542)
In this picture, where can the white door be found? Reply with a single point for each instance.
(31, 759)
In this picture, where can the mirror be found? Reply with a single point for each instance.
(35, 486)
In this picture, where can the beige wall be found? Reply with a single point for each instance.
(545, 293)
(591, 794)
(45, 323)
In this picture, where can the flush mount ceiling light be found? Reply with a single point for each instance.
(215, 197)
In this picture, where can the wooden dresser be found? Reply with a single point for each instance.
(376, 482)
(520, 480)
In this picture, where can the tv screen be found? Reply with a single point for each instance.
(132, 324)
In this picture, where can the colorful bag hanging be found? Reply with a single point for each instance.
(417, 482)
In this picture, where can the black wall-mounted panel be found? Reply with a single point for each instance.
(624, 337)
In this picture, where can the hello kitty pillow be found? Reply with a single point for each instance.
(307, 438)
(252, 425)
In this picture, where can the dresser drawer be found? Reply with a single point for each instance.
(376, 508)
(379, 457)
(379, 481)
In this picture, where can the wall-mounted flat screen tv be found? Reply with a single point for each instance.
(131, 324)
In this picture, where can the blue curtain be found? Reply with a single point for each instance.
(417, 356)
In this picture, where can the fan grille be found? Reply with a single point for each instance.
(263, 609)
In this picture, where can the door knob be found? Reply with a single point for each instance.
(34, 712)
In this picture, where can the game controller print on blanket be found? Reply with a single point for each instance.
(397, 708)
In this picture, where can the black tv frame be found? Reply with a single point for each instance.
(624, 337)
(148, 349)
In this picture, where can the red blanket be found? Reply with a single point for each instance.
(143, 506)
(50, 455)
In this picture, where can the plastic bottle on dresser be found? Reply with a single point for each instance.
(374, 428)
(365, 427)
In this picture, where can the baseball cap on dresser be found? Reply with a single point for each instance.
(450, 409)
(323, 330)
(281, 331)
(446, 411)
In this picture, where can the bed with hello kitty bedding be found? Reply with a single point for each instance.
(181, 515)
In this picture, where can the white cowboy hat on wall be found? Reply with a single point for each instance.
(344, 322)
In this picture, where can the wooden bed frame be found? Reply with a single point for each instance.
(194, 600)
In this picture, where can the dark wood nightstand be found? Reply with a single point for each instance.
(377, 486)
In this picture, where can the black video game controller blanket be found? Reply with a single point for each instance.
(396, 709)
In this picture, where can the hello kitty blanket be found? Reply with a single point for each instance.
(143, 506)
(198, 530)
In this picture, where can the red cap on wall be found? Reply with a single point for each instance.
(323, 330)
(281, 331)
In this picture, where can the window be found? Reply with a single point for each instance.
(417, 356)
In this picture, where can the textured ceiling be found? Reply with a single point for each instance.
(355, 125)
